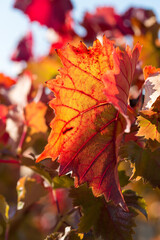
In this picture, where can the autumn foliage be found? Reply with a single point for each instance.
(80, 126)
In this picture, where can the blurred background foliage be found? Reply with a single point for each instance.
(34, 201)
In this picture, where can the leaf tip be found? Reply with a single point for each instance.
(42, 157)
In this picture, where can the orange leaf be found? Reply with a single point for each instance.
(35, 118)
(149, 123)
(150, 53)
(6, 81)
(149, 70)
(87, 130)
(3, 118)
(43, 69)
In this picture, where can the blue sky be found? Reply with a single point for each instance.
(14, 24)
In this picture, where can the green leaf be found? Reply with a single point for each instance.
(63, 182)
(149, 120)
(45, 68)
(105, 219)
(29, 191)
(123, 178)
(145, 162)
(134, 200)
(4, 209)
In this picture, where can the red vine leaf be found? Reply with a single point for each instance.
(87, 130)
(53, 13)
(104, 20)
(23, 51)
(3, 118)
(118, 80)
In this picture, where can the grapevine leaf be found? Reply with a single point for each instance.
(123, 178)
(134, 200)
(118, 80)
(149, 123)
(44, 68)
(35, 117)
(149, 119)
(151, 86)
(103, 19)
(87, 130)
(141, 21)
(50, 13)
(63, 182)
(29, 191)
(4, 209)
(106, 220)
(3, 118)
(146, 163)
(151, 50)
(35, 128)
(23, 51)
(5, 81)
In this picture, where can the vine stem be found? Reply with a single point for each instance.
(19, 149)
(63, 220)
(56, 201)
(12, 161)
(7, 232)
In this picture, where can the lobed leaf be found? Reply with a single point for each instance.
(23, 51)
(135, 201)
(123, 178)
(44, 68)
(87, 130)
(146, 162)
(104, 219)
(151, 86)
(118, 80)
(5, 81)
(50, 13)
(63, 182)
(148, 121)
(35, 117)
(151, 51)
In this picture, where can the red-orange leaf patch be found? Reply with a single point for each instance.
(118, 81)
(87, 129)
(5, 81)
